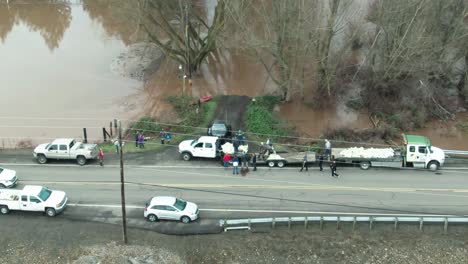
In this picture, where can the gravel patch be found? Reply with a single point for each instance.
(37, 239)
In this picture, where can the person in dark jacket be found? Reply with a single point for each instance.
(304, 163)
(320, 162)
(235, 165)
(254, 162)
(137, 134)
(333, 167)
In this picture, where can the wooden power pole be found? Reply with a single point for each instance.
(122, 187)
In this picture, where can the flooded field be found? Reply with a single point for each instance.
(55, 61)
(55, 73)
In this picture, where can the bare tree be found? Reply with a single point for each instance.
(291, 38)
(181, 32)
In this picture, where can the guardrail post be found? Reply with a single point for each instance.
(338, 223)
(421, 221)
(321, 223)
(249, 223)
(273, 223)
(305, 223)
(395, 226)
(354, 223)
(446, 225)
(370, 222)
(289, 223)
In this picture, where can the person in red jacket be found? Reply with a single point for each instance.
(226, 160)
(101, 157)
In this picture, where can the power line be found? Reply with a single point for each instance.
(192, 127)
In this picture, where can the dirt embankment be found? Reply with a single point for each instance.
(42, 240)
(231, 109)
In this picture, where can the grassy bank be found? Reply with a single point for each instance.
(192, 124)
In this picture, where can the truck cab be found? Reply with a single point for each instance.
(203, 147)
(419, 152)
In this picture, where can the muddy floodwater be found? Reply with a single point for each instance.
(56, 79)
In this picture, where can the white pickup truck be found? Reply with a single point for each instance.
(33, 198)
(203, 147)
(66, 148)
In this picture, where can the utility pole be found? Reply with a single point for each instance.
(122, 187)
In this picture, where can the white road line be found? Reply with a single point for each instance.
(262, 211)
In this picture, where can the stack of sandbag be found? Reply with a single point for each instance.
(367, 153)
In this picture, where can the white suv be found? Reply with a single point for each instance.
(170, 208)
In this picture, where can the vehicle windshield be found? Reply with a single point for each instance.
(219, 127)
(44, 194)
(194, 142)
(180, 204)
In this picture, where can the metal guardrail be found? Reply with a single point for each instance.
(455, 152)
(236, 224)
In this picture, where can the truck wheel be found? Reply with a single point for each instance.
(81, 160)
(186, 156)
(4, 209)
(433, 165)
(41, 158)
(185, 219)
(152, 218)
(50, 212)
(281, 163)
(2, 186)
(271, 164)
(365, 165)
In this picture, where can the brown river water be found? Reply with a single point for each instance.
(56, 79)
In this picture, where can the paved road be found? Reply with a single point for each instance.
(267, 192)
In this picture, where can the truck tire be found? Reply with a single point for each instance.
(433, 165)
(186, 156)
(365, 165)
(41, 158)
(2, 186)
(4, 209)
(81, 160)
(271, 163)
(281, 163)
(50, 212)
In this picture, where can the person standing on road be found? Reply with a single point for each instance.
(321, 161)
(333, 167)
(304, 163)
(226, 160)
(254, 162)
(245, 162)
(327, 149)
(235, 165)
(101, 157)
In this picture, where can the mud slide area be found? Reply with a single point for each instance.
(231, 109)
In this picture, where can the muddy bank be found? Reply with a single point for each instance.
(139, 61)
